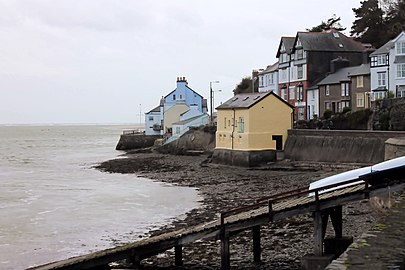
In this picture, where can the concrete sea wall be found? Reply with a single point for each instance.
(344, 146)
(136, 141)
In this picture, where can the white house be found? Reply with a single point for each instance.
(312, 102)
(268, 79)
(388, 69)
(154, 120)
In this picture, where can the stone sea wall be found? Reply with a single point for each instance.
(341, 146)
(135, 141)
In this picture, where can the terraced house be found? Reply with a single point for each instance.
(388, 69)
(304, 60)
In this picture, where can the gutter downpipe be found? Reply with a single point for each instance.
(233, 128)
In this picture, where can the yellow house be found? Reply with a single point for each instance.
(172, 115)
(251, 128)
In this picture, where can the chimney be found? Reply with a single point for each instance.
(338, 63)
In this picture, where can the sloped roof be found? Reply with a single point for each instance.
(384, 49)
(328, 41)
(270, 68)
(344, 74)
(190, 119)
(247, 100)
(288, 43)
(186, 87)
(157, 109)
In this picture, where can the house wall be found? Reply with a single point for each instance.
(312, 103)
(319, 62)
(183, 93)
(152, 118)
(172, 115)
(334, 98)
(363, 90)
(268, 82)
(266, 118)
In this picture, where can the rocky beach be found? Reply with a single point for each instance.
(225, 187)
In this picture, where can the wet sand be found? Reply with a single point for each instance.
(226, 187)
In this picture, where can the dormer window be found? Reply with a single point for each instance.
(335, 35)
(246, 98)
(340, 45)
(401, 47)
(282, 49)
(299, 44)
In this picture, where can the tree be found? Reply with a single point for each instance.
(369, 26)
(245, 86)
(332, 23)
(395, 18)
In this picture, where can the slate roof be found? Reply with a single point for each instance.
(288, 43)
(328, 41)
(189, 119)
(247, 100)
(344, 74)
(400, 59)
(270, 68)
(157, 109)
(384, 49)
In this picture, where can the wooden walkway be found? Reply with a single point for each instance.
(278, 207)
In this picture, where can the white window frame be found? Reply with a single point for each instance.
(381, 78)
(291, 92)
(360, 81)
(284, 93)
(300, 72)
(400, 70)
(241, 126)
(344, 87)
(360, 100)
(401, 47)
(327, 90)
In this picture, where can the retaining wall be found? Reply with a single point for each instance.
(243, 158)
(136, 141)
(343, 146)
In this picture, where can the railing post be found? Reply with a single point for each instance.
(318, 235)
(225, 255)
(256, 244)
(178, 255)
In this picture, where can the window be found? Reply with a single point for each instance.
(300, 54)
(241, 128)
(261, 84)
(284, 93)
(300, 73)
(401, 91)
(327, 90)
(401, 48)
(360, 100)
(177, 130)
(379, 95)
(401, 70)
(150, 118)
(271, 78)
(300, 113)
(300, 93)
(291, 92)
(342, 105)
(381, 78)
(360, 81)
(174, 97)
(344, 89)
(327, 106)
(225, 123)
(379, 60)
(284, 74)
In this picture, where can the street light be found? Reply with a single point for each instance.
(212, 103)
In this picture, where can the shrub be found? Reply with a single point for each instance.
(327, 114)
(346, 109)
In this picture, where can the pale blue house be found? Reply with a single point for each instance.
(179, 105)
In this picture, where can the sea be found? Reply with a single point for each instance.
(54, 205)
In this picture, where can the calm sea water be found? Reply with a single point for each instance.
(53, 205)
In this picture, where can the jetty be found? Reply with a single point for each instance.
(320, 202)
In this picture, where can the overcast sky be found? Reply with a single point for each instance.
(105, 61)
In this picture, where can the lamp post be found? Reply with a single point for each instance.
(212, 103)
